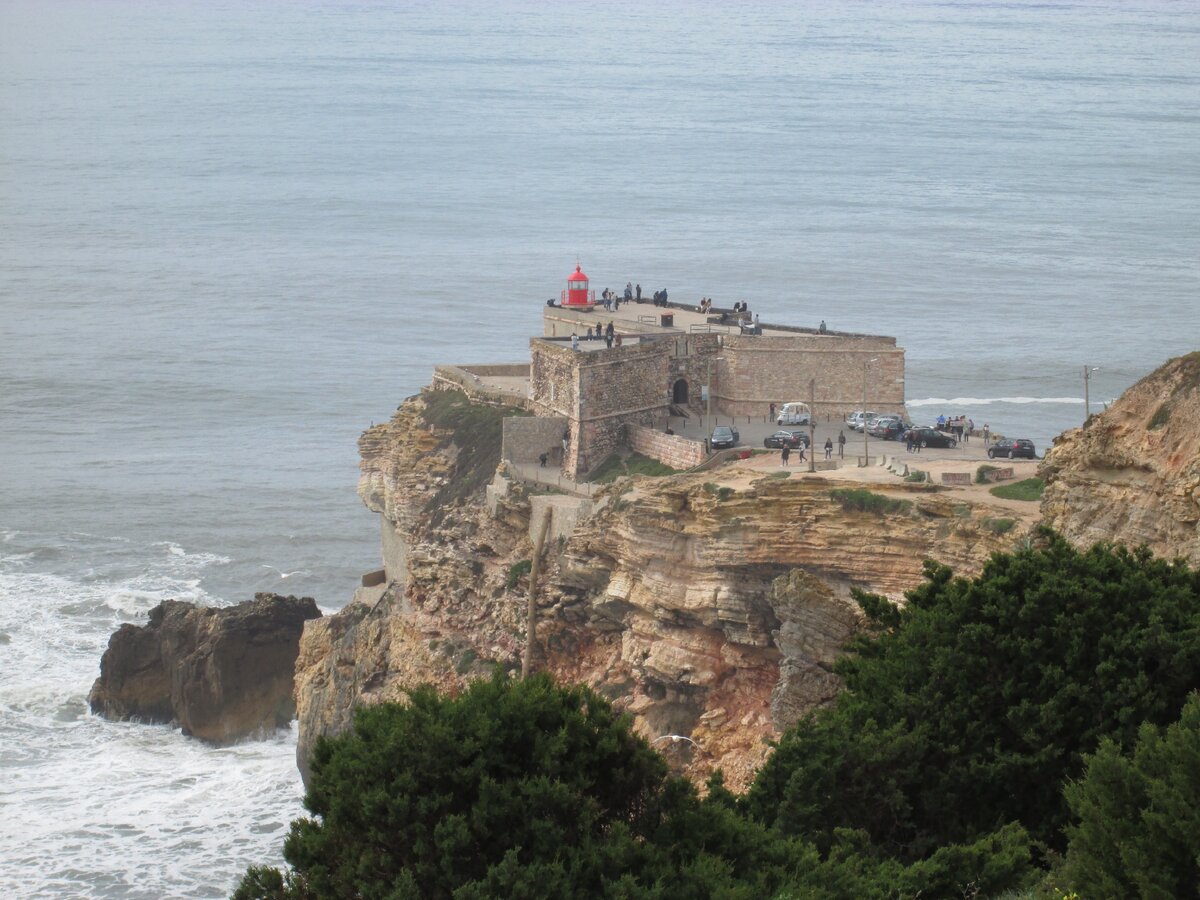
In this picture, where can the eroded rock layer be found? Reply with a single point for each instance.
(1132, 474)
(705, 609)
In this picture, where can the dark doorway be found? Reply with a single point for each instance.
(679, 393)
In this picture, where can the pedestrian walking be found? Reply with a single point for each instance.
(841, 444)
(908, 441)
(786, 452)
(829, 448)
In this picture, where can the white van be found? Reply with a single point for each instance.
(858, 419)
(793, 414)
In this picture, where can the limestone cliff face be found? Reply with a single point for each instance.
(708, 610)
(1132, 474)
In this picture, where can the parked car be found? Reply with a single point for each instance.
(931, 437)
(724, 437)
(780, 439)
(858, 418)
(888, 428)
(1012, 448)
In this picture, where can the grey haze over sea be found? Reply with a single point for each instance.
(233, 235)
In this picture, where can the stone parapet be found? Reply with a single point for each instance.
(669, 449)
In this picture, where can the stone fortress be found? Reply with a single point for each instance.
(669, 362)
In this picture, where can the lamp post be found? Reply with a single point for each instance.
(866, 367)
(1087, 403)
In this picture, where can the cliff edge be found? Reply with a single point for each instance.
(1131, 475)
(710, 605)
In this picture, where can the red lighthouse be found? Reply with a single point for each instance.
(577, 293)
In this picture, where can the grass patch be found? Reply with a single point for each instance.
(1000, 526)
(780, 474)
(982, 471)
(515, 571)
(1029, 489)
(917, 476)
(466, 661)
(634, 464)
(862, 500)
(721, 493)
(1161, 417)
(477, 430)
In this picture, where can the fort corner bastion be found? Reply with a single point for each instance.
(671, 362)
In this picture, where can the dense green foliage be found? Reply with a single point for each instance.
(977, 700)
(1138, 828)
(1028, 489)
(516, 571)
(939, 772)
(526, 789)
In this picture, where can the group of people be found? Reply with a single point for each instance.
(705, 305)
(606, 333)
(660, 297)
(959, 426)
(785, 453)
(611, 301)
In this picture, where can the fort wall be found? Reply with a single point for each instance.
(669, 449)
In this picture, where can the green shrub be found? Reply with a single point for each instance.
(916, 475)
(862, 500)
(1029, 489)
(1137, 829)
(974, 702)
(515, 571)
(982, 471)
(1000, 526)
(721, 493)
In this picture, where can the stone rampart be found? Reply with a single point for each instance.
(669, 449)
(755, 371)
(462, 378)
(525, 438)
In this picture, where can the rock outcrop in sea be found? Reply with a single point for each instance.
(220, 673)
(1131, 475)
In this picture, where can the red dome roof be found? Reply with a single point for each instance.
(577, 275)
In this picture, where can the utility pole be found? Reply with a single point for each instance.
(1087, 404)
(812, 424)
(866, 451)
(531, 606)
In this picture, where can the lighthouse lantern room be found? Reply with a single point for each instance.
(577, 293)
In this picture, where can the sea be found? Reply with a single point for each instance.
(233, 235)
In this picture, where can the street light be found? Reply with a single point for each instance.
(866, 366)
(1087, 404)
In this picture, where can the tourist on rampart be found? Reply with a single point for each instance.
(638, 291)
(841, 445)
(829, 448)
(628, 291)
(574, 342)
(822, 327)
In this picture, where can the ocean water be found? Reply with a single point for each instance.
(233, 235)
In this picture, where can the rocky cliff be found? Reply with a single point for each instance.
(708, 605)
(222, 674)
(1132, 474)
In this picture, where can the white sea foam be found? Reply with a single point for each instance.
(96, 808)
(987, 401)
